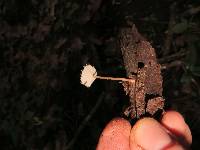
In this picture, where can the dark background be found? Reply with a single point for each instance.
(44, 45)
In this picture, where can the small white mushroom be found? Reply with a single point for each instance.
(89, 75)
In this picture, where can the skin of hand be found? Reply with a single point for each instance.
(171, 133)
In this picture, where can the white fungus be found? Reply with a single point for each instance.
(88, 75)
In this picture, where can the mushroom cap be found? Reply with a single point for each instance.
(88, 75)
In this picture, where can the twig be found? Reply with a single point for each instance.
(172, 64)
(192, 11)
(85, 121)
(169, 33)
(172, 57)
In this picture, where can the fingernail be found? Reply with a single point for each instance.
(149, 134)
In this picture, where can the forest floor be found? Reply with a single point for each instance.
(45, 44)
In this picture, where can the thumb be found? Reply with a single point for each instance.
(149, 134)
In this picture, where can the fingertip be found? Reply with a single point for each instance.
(175, 123)
(147, 133)
(115, 135)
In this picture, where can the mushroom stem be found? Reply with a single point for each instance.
(116, 79)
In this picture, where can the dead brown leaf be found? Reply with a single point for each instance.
(141, 63)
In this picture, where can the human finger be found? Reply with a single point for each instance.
(115, 136)
(149, 134)
(176, 124)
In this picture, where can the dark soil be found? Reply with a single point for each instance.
(44, 44)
